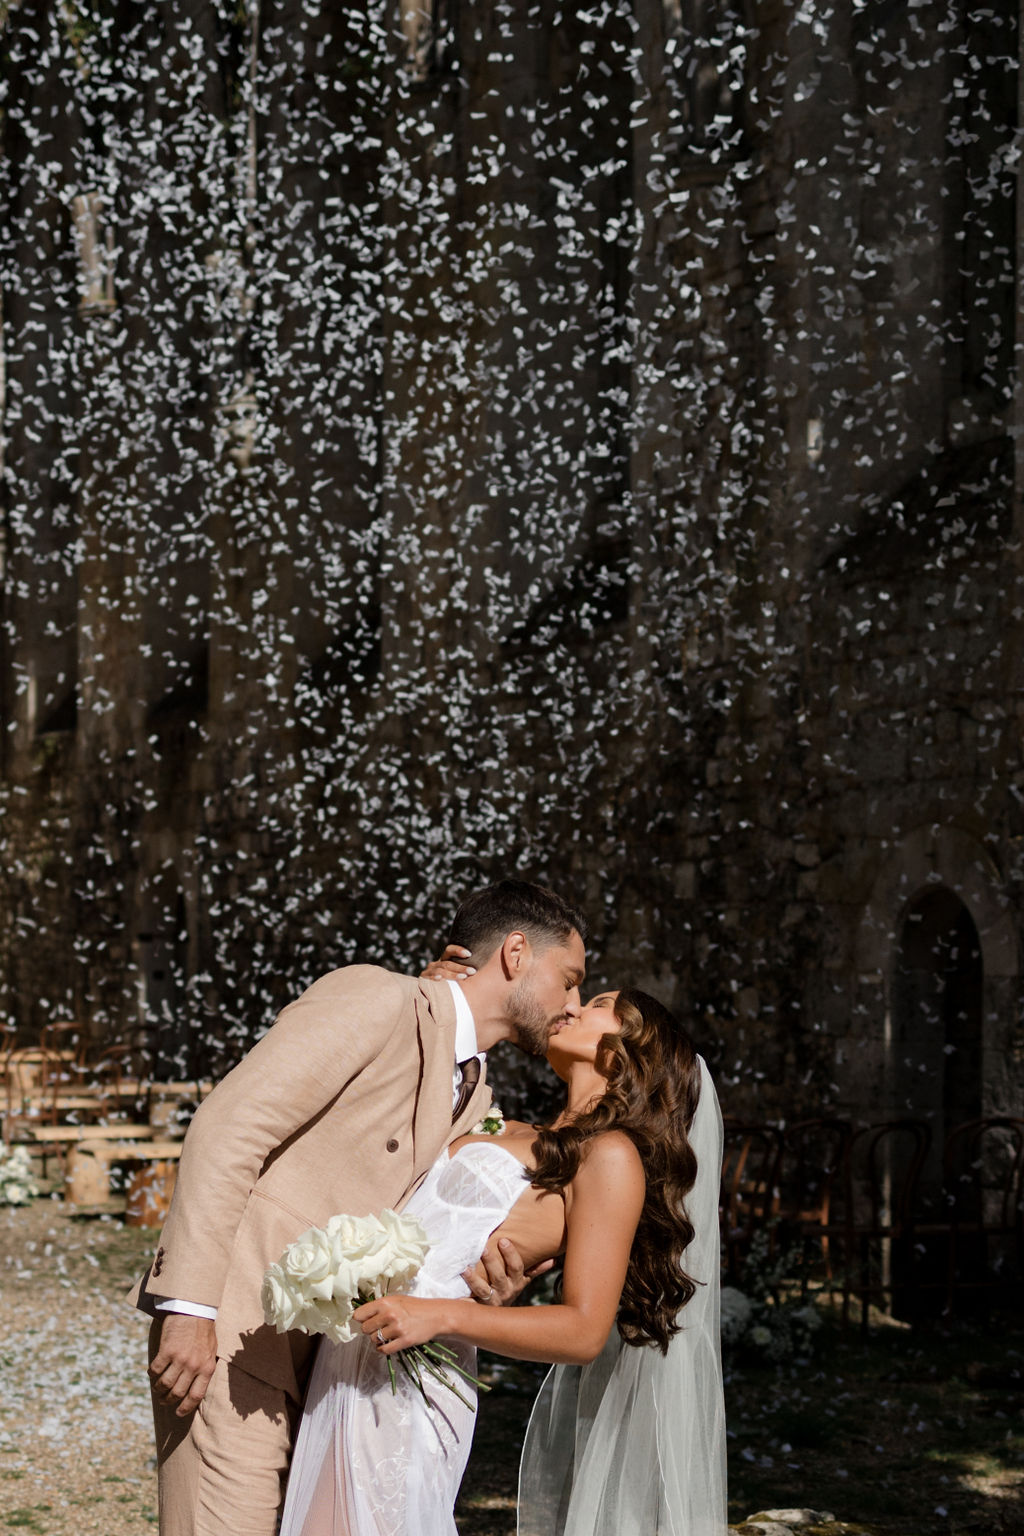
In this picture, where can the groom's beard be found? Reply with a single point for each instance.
(530, 1021)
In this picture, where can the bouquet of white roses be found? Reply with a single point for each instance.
(324, 1275)
(17, 1185)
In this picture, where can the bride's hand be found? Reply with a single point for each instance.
(397, 1322)
(451, 966)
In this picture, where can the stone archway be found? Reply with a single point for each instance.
(938, 921)
(937, 984)
(937, 999)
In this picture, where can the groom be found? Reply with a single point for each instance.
(342, 1106)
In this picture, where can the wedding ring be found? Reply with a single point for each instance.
(380, 1337)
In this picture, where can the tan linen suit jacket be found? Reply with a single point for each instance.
(342, 1106)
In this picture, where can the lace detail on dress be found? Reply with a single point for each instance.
(371, 1463)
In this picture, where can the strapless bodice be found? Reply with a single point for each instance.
(460, 1202)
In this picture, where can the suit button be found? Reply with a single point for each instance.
(392, 1145)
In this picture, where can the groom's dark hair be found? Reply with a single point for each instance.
(514, 906)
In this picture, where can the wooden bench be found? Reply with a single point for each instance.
(61, 1137)
(87, 1185)
(72, 1133)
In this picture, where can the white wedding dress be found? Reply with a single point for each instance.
(370, 1463)
(631, 1445)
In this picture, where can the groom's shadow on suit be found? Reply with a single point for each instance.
(249, 1360)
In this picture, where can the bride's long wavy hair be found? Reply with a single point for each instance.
(652, 1094)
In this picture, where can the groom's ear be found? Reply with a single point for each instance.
(515, 952)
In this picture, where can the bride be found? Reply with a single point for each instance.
(627, 1437)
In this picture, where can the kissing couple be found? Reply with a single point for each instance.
(364, 1095)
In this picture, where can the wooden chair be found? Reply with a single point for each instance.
(812, 1168)
(44, 1103)
(112, 1071)
(983, 1185)
(29, 1101)
(68, 1039)
(747, 1201)
(885, 1164)
(8, 1036)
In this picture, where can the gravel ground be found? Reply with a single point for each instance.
(75, 1426)
(76, 1452)
(916, 1435)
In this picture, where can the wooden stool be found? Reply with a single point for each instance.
(149, 1193)
(89, 1164)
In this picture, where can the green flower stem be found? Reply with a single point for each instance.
(440, 1377)
(447, 1358)
(421, 1358)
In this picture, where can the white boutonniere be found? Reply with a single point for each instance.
(492, 1124)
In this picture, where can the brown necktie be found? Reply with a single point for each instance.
(470, 1078)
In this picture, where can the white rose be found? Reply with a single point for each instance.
(280, 1304)
(332, 1318)
(15, 1193)
(407, 1247)
(308, 1264)
(358, 1248)
(348, 1245)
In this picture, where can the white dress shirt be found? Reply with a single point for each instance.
(465, 1046)
(465, 1036)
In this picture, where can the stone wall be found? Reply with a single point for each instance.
(568, 440)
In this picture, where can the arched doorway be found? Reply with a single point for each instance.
(938, 1031)
(938, 1016)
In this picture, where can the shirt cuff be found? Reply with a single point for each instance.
(190, 1308)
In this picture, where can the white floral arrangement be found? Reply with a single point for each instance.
(492, 1124)
(324, 1275)
(737, 1311)
(769, 1329)
(763, 1322)
(17, 1184)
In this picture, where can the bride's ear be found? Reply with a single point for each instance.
(609, 1050)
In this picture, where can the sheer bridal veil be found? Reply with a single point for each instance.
(634, 1443)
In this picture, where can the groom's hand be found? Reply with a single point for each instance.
(499, 1278)
(186, 1354)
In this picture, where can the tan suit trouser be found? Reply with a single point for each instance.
(222, 1470)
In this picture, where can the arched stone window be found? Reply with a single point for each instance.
(938, 965)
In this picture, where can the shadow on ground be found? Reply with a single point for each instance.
(910, 1433)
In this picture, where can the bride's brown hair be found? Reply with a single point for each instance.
(653, 1088)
